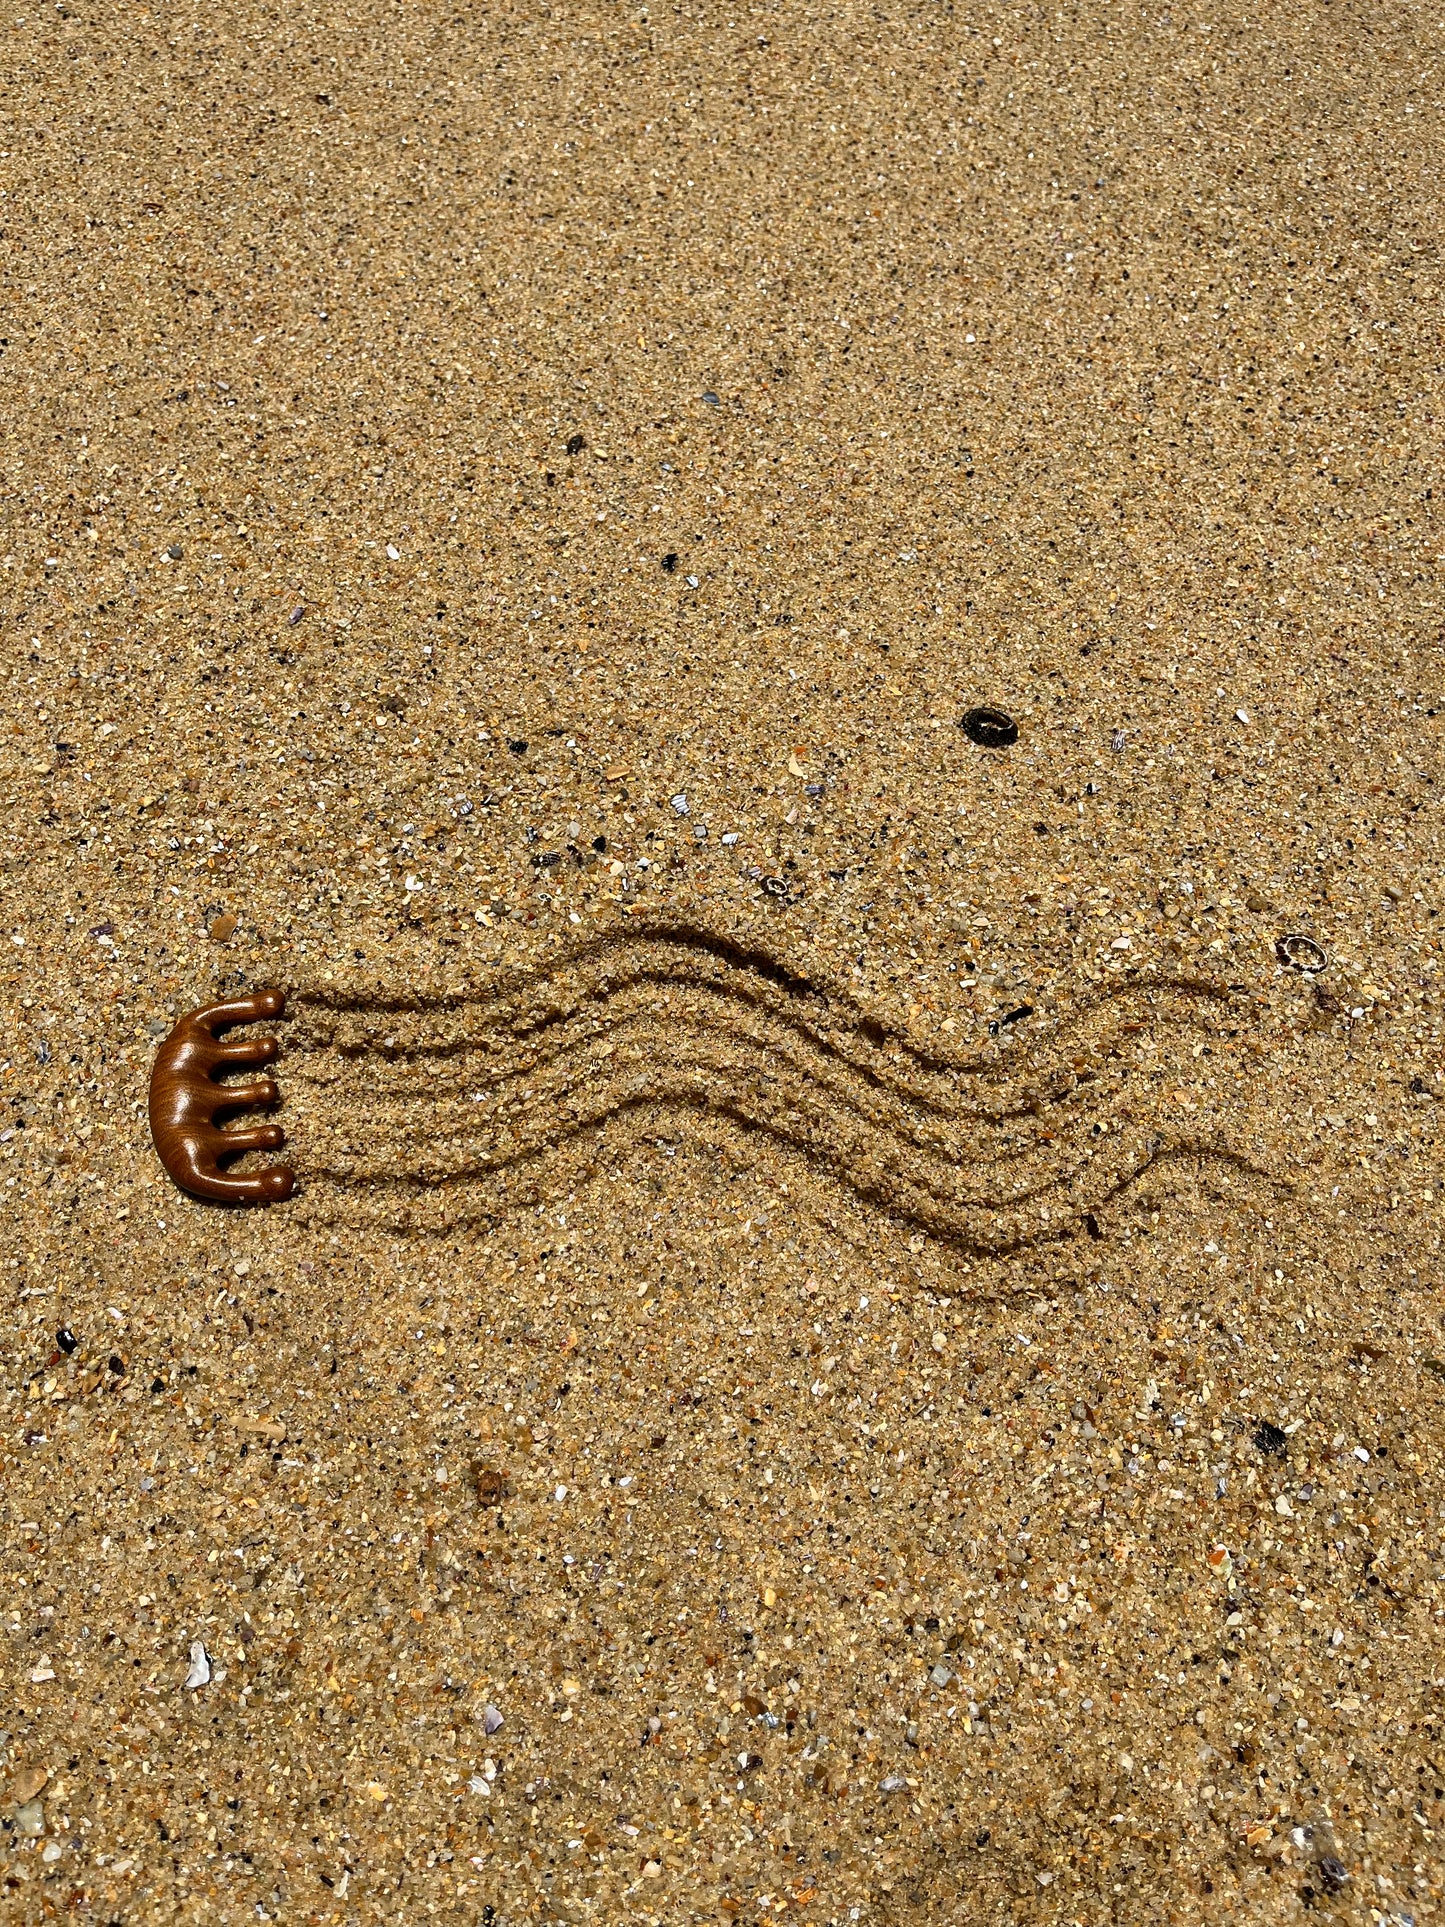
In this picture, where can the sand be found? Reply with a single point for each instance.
(853, 1342)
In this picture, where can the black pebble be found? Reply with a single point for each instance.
(669, 561)
(66, 1339)
(1269, 1438)
(990, 728)
(576, 444)
(117, 1364)
(519, 748)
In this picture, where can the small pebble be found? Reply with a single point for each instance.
(1333, 1873)
(990, 728)
(27, 1783)
(198, 1673)
(30, 1820)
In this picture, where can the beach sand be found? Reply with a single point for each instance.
(856, 1340)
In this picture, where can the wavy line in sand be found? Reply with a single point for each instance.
(434, 1110)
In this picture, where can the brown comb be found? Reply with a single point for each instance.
(186, 1101)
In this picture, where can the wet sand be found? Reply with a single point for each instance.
(858, 1338)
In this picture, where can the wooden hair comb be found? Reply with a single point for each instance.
(186, 1103)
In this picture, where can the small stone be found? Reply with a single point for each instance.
(490, 1483)
(174, 552)
(30, 1820)
(990, 728)
(491, 1720)
(393, 553)
(51, 1852)
(374, 1790)
(679, 804)
(941, 1675)
(66, 1339)
(267, 1428)
(223, 928)
(893, 1783)
(296, 615)
(27, 1783)
(199, 1671)
(42, 1670)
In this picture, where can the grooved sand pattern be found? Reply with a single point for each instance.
(467, 1096)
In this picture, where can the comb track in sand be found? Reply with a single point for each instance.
(433, 1110)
